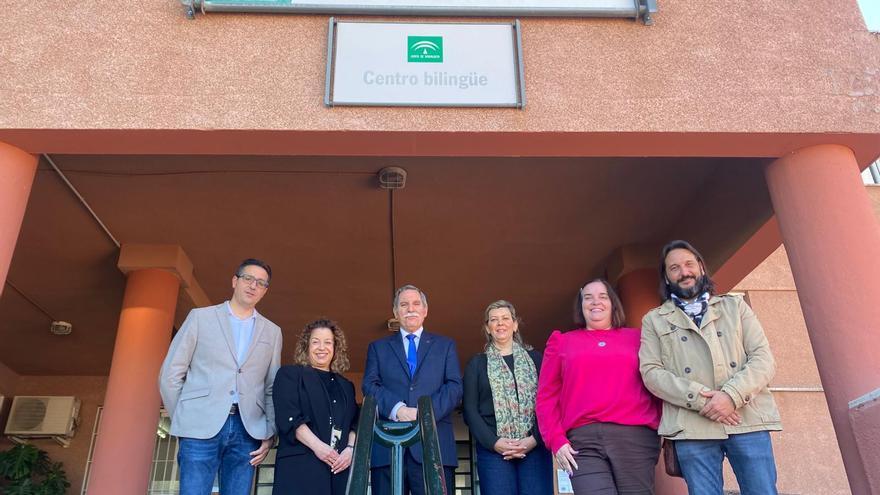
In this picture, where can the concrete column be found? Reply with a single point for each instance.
(17, 169)
(833, 242)
(637, 289)
(638, 293)
(127, 433)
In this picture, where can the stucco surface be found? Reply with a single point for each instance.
(773, 274)
(89, 390)
(807, 458)
(780, 315)
(743, 66)
(8, 382)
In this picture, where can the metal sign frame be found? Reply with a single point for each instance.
(518, 69)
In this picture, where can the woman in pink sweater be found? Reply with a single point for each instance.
(593, 410)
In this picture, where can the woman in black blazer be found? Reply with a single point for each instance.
(316, 414)
(500, 386)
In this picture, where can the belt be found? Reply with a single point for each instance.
(233, 409)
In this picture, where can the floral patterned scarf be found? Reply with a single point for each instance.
(514, 405)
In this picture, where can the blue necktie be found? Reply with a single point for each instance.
(411, 355)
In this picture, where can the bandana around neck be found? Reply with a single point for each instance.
(696, 309)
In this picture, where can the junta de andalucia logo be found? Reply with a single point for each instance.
(424, 49)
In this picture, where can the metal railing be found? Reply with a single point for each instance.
(397, 435)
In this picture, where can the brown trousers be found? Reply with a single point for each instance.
(614, 459)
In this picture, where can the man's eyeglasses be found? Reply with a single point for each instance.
(250, 279)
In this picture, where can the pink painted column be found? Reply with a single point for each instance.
(833, 242)
(17, 169)
(638, 293)
(127, 434)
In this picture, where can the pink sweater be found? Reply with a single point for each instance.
(592, 376)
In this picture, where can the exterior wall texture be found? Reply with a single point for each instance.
(90, 391)
(806, 450)
(744, 67)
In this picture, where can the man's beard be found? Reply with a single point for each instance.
(698, 288)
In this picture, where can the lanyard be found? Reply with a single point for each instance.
(330, 401)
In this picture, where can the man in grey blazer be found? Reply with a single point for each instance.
(216, 384)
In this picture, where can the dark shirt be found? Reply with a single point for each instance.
(338, 404)
(479, 408)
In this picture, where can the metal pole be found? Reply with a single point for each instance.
(397, 469)
(875, 172)
(452, 8)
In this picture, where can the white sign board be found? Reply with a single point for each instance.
(424, 64)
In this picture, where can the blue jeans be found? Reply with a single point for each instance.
(229, 451)
(750, 456)
(531, 475)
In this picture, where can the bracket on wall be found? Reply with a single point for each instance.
(646, 9)
(189, 9)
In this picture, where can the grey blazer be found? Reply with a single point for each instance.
(201, 370)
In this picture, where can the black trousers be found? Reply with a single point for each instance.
(413, 478)
(614, 459)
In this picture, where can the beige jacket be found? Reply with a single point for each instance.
(201, 371)
(729, 352)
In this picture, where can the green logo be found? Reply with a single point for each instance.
(424, 49)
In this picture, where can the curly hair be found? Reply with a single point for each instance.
(339, 363)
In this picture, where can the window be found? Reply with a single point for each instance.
(464, 473)
(164, 474)
(871, 175)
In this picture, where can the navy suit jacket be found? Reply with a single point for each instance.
(437, 375)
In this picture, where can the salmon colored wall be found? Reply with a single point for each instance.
(8, 381)
(8, 386)
(749, 67)
(807, 459)
(807, 455)
(89, 390)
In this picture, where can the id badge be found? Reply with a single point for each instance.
(335, 435)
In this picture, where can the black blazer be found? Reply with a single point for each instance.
(300, 398)
(479, 409)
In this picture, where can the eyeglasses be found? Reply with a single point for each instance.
(250, 279)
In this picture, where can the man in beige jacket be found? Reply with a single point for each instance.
(707, 357)
(216, 384)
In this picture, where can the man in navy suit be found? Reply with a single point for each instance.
(401, 368)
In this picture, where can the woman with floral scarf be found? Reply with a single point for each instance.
(500, 386)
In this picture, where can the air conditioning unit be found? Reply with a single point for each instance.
(43, 417)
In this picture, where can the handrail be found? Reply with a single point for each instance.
(397, 435)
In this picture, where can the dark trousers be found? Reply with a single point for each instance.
(532, 475)
(413, 478)
(614, 459)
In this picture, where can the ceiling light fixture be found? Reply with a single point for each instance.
(61, 328)
(392, 178)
